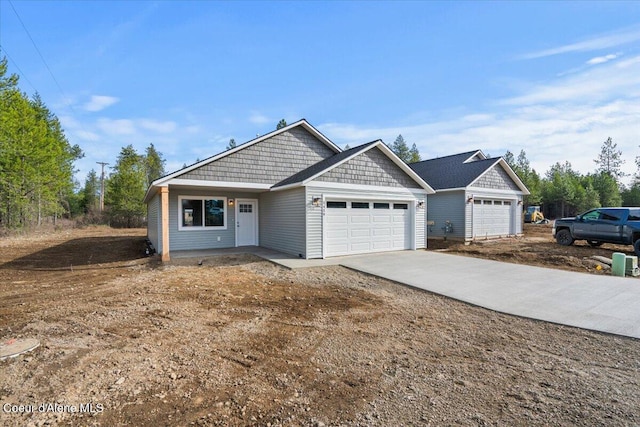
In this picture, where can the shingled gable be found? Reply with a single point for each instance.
(258, 163)
(463, 170)
(383, 157)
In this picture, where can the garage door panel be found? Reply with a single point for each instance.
(377, 232)
(381, 219)
(338, 219)
(360, 219)
(382, 245)
(360, 247)
(399, 231)
(333, 233)
(365, 232)
(362, 230)
(492, 218)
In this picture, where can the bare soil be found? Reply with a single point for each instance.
(240, 341)
(536, 247)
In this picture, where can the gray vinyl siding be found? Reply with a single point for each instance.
(314, 223)
(496, 178)
(268, 162)
(314, 213)
(153, 222)
(447, 206)
(180, 240)
(468, 213)
(282, 221)
(519, 220)
(421, 222)
(372, 167)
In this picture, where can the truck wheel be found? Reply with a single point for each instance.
(594, 243)
(636, 247)
(564, 238)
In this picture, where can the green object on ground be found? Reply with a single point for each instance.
(619, 263)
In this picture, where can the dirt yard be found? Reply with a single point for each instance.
(240, 341)
(536, 247)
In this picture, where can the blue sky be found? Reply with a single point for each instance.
(553, 78)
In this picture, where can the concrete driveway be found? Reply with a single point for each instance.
(600, 303)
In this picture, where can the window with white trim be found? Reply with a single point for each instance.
(199, 213)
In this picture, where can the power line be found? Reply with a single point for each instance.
(41, 56)
(15, 64)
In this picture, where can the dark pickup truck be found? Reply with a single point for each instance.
(602, 225)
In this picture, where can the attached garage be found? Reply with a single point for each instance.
(492, 218)
(273, 192)
(476, 197)
(365, 226)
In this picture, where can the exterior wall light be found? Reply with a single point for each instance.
(316, 201)
(470, 199)
(231, 201)
(421, 204)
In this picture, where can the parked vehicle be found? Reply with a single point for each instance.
(534, 214)
(601, 225)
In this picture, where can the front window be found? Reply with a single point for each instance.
(591, 215)
(201, 212)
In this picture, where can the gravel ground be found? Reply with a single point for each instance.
(240, 341)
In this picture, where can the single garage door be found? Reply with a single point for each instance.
(356, 227)
(492, 217)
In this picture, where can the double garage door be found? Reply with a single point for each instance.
(356, 227)
(492, 217)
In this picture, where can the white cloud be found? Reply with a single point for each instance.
(100, 102)
(258, 118)
(603, 41)
(157, 126)
(116, 127)
(87, 135)
(602, 59)
(615, 79)
(565, 119)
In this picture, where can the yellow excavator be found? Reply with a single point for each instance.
(534, 214)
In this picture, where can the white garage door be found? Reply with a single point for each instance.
(356, 227)
(492, 217)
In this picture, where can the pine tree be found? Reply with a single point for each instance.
(610, 160)
(231, 144)
(154, 164)
(414, 154)
(510, 159)
(36, 160)
(281, 124)
(400, 148)
(126, 188)
(90, 200)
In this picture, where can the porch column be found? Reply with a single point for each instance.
(164, 209)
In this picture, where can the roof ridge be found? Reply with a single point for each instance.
(447, 156)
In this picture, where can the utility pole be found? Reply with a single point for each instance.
(103, 164)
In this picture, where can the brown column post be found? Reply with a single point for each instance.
(164, 208)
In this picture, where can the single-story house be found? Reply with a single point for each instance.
(476, 197)
(295, 191)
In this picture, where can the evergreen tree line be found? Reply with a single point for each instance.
(563, 191)
(36, 159)
(124, 189)
(37, 167)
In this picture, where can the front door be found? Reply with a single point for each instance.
(247, 223)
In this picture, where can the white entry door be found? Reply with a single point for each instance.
(247, 222)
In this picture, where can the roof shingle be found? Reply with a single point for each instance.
(451, 171)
